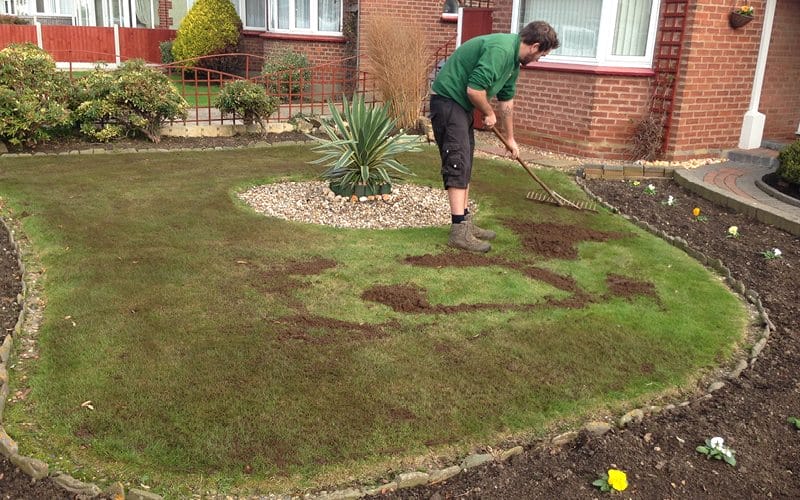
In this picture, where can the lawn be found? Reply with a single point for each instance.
(200, 93)
(173, 308)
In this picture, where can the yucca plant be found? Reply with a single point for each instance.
(360, 151)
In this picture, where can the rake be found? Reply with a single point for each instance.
(549, 196)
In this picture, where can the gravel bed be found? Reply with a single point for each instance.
(313, 202)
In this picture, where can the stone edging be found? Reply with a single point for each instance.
(38, 469)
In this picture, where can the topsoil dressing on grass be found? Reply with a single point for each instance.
(658, 454)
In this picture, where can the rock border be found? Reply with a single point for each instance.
(30, 315)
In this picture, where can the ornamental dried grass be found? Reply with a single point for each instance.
(648, 138)
(399, 57)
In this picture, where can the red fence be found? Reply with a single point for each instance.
(90, 44)
(304, 92)
(14, 33)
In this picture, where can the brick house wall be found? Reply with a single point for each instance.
(715, 81)
(318, 49)
(583, 111)
(427, 14)
(592, 111)
(780, 97)
(579, 112)
(164, 17)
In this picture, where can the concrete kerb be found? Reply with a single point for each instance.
(761, 213)
(38, 469)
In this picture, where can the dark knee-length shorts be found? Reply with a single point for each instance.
(455, 136)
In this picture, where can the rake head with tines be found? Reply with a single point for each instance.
(559, 200)
(549, 196)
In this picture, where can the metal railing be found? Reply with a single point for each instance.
(301, 91)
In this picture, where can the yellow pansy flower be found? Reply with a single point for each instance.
(617, 479)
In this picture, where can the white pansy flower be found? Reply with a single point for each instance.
(776, 252)
(717, 442)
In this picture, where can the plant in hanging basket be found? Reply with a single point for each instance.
(741, 16)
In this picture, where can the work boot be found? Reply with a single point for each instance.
(480, 233)
(461, 237)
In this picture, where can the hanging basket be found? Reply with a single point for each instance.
(738, 20)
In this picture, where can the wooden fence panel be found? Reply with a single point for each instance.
(141, 43)
(16, 33)
(79, 43)
(90, 44)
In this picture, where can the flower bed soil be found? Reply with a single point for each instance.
(659, 453)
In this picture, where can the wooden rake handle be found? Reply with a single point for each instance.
(544, 186)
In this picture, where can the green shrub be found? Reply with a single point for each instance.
(248, 100)
(789, 168)
(33, 95)
(130, 99)
(286, 73)
(5, 19)
(211, 27)
(359, 151)
(166, 51)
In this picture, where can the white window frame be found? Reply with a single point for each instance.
(8, 7)
(272, 14)
(605, 39)
(240, 7)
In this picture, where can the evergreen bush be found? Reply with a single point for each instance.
(210, 27)
(130, 99)
(6, 19)
(286, 74)
(246, 99)
(166, 51)
(33, 95)
(789, 168)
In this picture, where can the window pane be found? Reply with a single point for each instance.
(577, 23)
(282, 18)
(143, 13)
(329, 15)
(254, 13)
(302, 13)
(633, 23)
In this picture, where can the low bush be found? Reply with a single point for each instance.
(33, 95)
(789, 168)
(6, 19)
(166, 52)
(287, 74)
(246, 99)
(131, 99)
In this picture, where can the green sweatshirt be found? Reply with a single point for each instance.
(488, 62)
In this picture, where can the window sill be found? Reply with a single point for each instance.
(305, 37)
(591, 70)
